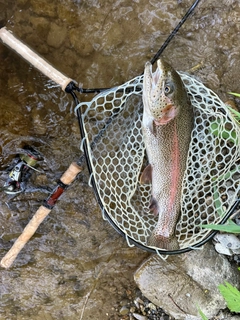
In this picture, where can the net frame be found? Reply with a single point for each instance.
(105, 113)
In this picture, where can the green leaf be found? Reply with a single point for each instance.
(217, 202)
(235, 94)
(231, 227)
(235, 113)
(202, 314)
(231, 295)
(227, 174)
(222, 133)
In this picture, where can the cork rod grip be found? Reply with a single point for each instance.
(71, 173)
(67, 178)
(27, 233)
(33, 58)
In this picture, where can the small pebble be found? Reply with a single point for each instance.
(139, 300)
(164, 318)
(151, 306)
(137, 304)
(124, 310)
(124, 302)
(139, 316)
(132, 309)
(142, 308)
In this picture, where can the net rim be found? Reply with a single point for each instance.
(130, 240)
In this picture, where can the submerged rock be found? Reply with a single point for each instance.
(56, 36)
(183, 283)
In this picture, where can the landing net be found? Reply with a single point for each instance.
(210, 185)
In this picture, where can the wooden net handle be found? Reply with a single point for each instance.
(67, 178)
(33, 58)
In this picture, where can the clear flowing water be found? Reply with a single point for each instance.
(76, 266)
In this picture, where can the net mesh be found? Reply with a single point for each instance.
(210, 185)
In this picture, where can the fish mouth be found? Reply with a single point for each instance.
(153, 80)
(168, 114)
(157, 74)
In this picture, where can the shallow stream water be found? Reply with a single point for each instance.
(76, 266)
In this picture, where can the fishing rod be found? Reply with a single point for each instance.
(75, 168)
(174, 32)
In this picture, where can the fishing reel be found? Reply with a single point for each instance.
(21, 169)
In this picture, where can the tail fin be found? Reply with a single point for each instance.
(161, 242)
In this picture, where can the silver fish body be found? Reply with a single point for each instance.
(167, 125)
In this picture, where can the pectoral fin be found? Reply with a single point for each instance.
(146, 176)
(153, 206)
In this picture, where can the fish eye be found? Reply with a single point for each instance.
(168, 89)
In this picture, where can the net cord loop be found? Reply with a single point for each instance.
(163, 257)
(82, 143)
(90, 180)
(131, 245)
(104, 215)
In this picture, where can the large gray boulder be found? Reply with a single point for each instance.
(182, 283)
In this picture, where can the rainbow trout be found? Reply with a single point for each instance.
(167, 125)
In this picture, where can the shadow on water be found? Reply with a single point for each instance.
(76, 262)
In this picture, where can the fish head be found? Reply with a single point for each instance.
(163, 93)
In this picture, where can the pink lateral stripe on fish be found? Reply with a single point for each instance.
(167, 125)
(175, 170)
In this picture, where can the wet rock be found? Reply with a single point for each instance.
(182, 283)
(44, 8)
(40, 26)
(39, 125)
(113, 38)
(79, 43)
(56, 35)
(68, 14)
